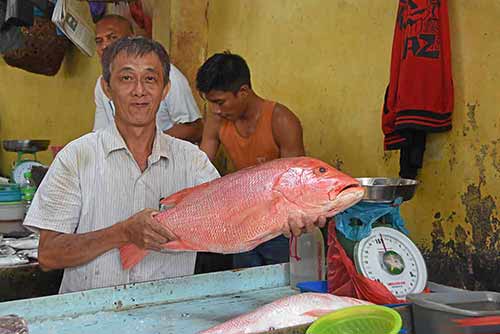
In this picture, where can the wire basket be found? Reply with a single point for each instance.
(43, 50)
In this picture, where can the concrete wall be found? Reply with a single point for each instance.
(329, 62)
(59, 108)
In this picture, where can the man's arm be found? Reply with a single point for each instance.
(182, 109)
(287, 132)
(210, 142)
(61, 250)
(188, 131)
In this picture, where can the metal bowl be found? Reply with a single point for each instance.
(26, 145)
(386, 190)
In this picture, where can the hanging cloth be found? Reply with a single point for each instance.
(97, 10)
(143, 21)
(420, 92)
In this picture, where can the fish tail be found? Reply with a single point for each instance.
(131, 255)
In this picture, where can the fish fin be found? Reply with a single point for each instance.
(177, 197)
(131, 255)
(317, 313)
(180, 245)
(270, 211)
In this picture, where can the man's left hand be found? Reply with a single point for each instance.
(302, 223)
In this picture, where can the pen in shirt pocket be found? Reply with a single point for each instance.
(162, 207)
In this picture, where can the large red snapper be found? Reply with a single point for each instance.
(239, 211)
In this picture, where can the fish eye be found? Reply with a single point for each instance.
(322, 169)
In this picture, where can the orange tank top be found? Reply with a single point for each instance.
(259, 147)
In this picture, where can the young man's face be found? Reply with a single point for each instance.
(228, 105)
(136, 88)
(109, 30)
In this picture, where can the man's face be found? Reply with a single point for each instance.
(228, 105)
(109, 30)
(136, 88)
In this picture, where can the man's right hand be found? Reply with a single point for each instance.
(145, 232)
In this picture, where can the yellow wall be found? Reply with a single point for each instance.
(329, 62)
(59, 108)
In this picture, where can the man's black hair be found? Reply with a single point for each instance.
(226, 72)
(138, 47)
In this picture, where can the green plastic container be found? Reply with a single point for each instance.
(362, 319)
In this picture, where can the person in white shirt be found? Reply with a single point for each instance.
(103, 189)
(178, 114)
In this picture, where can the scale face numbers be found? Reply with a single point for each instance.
(21, 168)
(390, 257)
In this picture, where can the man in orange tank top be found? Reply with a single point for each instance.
(251, 129)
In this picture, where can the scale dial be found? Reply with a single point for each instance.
(390, 257)
(21, 168)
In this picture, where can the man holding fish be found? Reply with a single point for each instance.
(103, 190)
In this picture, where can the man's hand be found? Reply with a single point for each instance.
(145, 232)
(302, 223)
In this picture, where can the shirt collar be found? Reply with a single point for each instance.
(113, 141)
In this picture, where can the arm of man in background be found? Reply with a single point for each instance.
(287, 132)
(210, 142)
(183, 110)
(188, 131)
(103, 108)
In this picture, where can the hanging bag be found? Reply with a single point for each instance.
(43, 50)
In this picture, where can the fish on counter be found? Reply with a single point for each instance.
(13, 260)
(239, 211)
(6, 250)
(12, 324)
(29, 253)
(29, 242)
(289, 311)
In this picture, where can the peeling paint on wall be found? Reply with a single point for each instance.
(388, 156)
(494, 156)
(453, 157)
(471, 115)
(459, 262)
(337, 163)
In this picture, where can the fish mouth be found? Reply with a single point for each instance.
(347, 197)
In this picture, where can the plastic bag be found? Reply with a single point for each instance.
(12, 324)
(368, 214)
(344, 280)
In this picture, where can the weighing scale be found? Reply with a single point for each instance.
(23, 165)
(390, 257)
(386, 254)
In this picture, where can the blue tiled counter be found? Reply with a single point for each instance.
(180, 305)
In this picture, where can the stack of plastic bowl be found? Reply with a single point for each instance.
(362, 319)
(12, 209)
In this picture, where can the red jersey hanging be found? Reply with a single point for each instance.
(420, 92)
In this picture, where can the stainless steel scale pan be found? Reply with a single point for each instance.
(386, 190)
